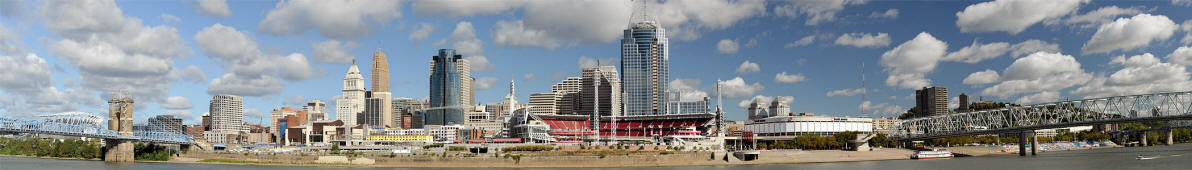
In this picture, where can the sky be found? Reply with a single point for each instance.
(821, 56)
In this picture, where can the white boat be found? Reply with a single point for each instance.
(932, 154)
(1140, 157)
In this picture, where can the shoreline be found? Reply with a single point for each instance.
(552, 159)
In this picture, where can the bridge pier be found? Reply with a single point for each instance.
(1034, 143)
(1022, 143)
(1170, 138)
(1143, 138)
(118, 150)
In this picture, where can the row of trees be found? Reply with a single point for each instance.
(840, 140)
(990, 139)
(68, 148)
(152, 152)
(74, 148)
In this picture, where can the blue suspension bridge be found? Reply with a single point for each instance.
(81, 124)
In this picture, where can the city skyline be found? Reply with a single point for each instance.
(174, 56)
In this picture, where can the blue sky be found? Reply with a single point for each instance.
(174, 55)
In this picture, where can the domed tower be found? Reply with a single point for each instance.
(352, 100)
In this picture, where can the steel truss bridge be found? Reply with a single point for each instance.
(85, 125)
(1082, 112)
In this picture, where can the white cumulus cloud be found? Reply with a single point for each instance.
(1037, 73)
(479, 63)
(881, 110)
(333, 19)
(249, 71)
(113, 52)
(177, 102)
(1100, 16)
(909, 62)
(789, 78)
(1129, 33)
(801, 42)
(464, 39)
(1140, 74)
(333, 51)
(846, 92)
(688, 89)
(422, 31)
(1182, 55)
(748, 67)
(485, 83)
(1012, 16)
(737, 88)
(218, 8)
(978, 52)
(815, 11)
(864, 40)
(982, 77)
(727, 46)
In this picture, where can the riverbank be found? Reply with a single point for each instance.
(563, 159)
(987, 150)
(58, 158)
(550, 159)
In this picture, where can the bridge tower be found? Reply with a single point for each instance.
(120, 120)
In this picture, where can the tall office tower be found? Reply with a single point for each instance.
(380, 72)
(467, 89)
(227, 114)
(316, 110)
(467, 84)
(931, 101)
(543, 103)
(352, 100)
(779, 108)
(757, 110)
(600, 91)
(568, 92)
(445, 103)
(380, 88)
(644, 66)
(964, 103)
(166, 123)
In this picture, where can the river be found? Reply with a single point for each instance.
(1167, 157)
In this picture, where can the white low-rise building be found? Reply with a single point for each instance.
(808, 125)
(442, 134)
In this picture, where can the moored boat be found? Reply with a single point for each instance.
(932, 154)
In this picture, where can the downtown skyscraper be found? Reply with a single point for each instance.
(380, 92)
(352, 100)
(645, 67)
(445, 90)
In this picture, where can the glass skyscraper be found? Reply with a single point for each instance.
(644, 67)
(445, 94)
